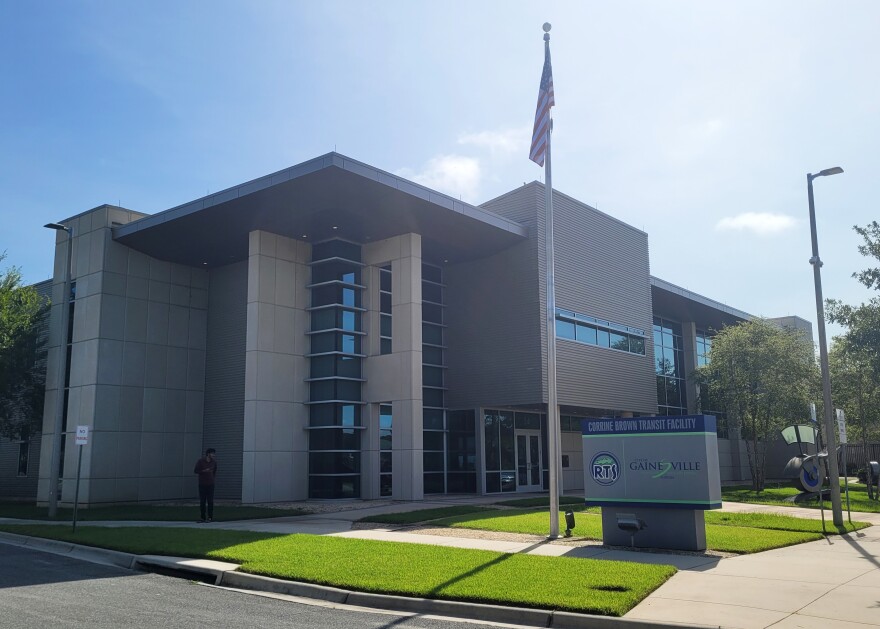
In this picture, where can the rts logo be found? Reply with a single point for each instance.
(605, 469)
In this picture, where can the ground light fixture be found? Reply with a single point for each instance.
(631, 524)
(569, 522)
(830, 436)
(58, 424)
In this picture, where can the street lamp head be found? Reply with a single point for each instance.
(830, 171)
(57, 226)
(827, 172)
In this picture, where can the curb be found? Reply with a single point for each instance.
(437, 607)
(86, 553)
(233, 579)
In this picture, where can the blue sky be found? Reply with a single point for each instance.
(694, 121)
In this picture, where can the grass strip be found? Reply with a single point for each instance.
(526, 503)
(157, 513)
(781, 496)
(744, 540)
(735, 533)
(423, 515)
(588, 525)
(580, 585)
(778, 522)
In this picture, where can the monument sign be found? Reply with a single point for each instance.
(653, 477)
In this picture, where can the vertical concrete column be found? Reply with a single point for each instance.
(689, 345)
(275, 442)
(397, 377)
(370, 464)
(480, 462)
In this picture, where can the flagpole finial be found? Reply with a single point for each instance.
(547, 31)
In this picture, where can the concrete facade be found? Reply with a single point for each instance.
(193, 328)
(275, 457)
(395, 377)
(136, 370)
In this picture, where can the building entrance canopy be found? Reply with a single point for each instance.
(331, 196)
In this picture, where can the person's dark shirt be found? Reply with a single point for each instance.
(206, 470)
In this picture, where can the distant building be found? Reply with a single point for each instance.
(335, 331)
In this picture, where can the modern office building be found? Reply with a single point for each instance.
(335, 331)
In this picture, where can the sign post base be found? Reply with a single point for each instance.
(676, 529)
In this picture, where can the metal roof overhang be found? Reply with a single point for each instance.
(306, 202)
(679, 304)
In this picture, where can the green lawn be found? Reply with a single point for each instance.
(858, 497)
(423, 515)
(525, 503)
(580, 585)
(588, 526)
(735, 533)
(777, 522)
(169, 513)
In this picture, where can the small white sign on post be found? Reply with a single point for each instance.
(841, 426)
(82, 435)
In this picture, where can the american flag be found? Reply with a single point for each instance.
(542, 113)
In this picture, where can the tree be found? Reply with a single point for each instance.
(857, 361)
(763, 377)
(871, 249)
(863, 322)
(856, 389)
(22, 380)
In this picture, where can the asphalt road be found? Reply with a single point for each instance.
(41, 590)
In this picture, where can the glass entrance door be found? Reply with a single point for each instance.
(528, 460)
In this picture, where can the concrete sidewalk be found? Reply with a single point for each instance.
(833, 582)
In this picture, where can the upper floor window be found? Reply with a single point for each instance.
(591, 331)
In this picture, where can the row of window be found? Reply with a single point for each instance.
(434, 437)
(335, 370)
(577, 327)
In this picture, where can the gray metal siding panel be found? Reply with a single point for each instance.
(493, 316)
(602, 270)
(224, 374)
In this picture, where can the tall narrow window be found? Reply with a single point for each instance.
(385, 426)
(669, 365)
(705, 398)
(68, 353)
(335, 371)
(23, 452)
(385, 309)
(434, 435)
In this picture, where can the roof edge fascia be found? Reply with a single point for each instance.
(329, 160)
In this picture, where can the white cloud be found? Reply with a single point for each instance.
(761, 223)
(499, 143)
(455, 175)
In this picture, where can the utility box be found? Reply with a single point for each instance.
(662, 471)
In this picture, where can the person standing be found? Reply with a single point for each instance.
(206, 468)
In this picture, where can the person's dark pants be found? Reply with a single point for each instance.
(206, 496)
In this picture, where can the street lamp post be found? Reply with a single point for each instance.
(830, 436)
(55, 461)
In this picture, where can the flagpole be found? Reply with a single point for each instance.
(552, 403)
